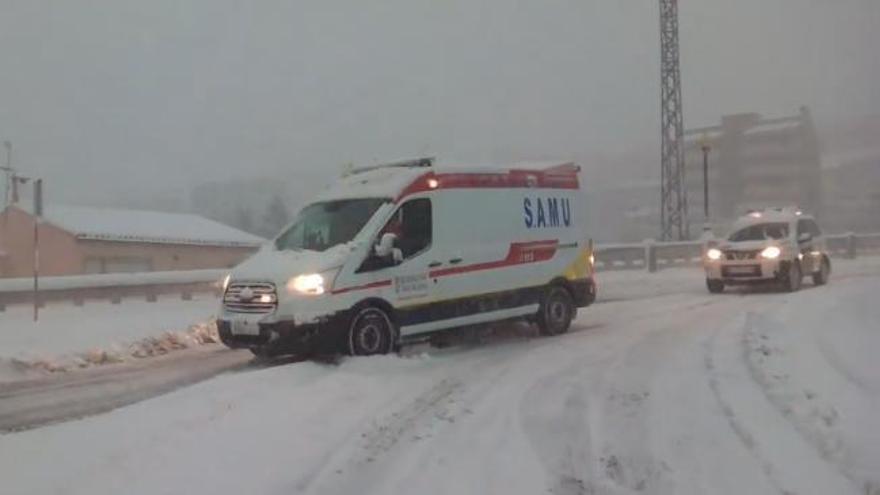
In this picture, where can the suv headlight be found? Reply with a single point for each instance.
(771, 252)
(713, 254)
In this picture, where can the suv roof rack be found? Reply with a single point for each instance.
(411, 163)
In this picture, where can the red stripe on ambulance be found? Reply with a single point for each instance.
(373, 285)
(520, 253)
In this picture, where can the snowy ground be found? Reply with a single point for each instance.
(663, 388)
(64, 329)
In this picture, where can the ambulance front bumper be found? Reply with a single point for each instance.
(287, 337)
(584, 292)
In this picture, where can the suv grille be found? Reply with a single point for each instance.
(741, 255)
(250, 297)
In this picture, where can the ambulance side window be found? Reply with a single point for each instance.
(416, 227)
(412, 223)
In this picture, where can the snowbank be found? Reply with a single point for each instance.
(68, 336)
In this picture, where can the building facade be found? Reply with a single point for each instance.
(754, 162)
(79, 240)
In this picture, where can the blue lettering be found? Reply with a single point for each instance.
(527, 210)
(542, 222)
(566, 212)
(553, 211)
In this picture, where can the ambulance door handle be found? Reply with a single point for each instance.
(434, 264)
(455, 261)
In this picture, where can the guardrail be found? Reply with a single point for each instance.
(111, 287)
(652, 256)
(649, 256)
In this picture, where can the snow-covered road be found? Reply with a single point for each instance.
(660, 389)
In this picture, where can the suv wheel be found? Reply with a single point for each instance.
(794, 278)
(715, 286)
(556, 311)
(821, 277)
(370, 332)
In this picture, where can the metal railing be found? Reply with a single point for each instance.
(649, 256)
(652, 256)
(111, 287)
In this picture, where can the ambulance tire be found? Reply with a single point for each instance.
(262, 354)
(556, 311)
(370, 332)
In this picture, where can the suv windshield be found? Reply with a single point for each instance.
(761, 232)
(321, 226)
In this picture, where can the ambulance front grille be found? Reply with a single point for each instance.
(250, 297)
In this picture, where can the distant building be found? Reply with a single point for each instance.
(626, 212)
(851, 161)
(754, 162)
(79, 240)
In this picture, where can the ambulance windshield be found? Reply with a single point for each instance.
(321, 226)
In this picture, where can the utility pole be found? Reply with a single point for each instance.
(673, 196)
(9, 172)
(705, 147)
(38, 214)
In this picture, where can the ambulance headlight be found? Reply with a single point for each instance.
(226, 281)
(713, 254)
(771, 253)
(311, 284)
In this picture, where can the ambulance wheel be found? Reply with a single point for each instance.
(821, 277)
(370, 332)
(262, 353)
(792, 282)
(715, 286)
(556, 311)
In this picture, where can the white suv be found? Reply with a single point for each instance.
(777, 245)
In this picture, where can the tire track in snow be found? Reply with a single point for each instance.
(403, 433)
(827, 445)
(743, 434)
(35, 403)
(555, 418)
(776, 455)
(581, 395)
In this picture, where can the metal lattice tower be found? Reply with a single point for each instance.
(673, 196)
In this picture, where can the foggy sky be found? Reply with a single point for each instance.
(122, 98)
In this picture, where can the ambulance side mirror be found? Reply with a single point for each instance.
(385, 248)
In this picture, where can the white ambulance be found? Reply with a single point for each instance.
(396, 252)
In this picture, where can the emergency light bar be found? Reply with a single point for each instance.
(413, 163)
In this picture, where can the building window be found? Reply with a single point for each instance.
(117, 265)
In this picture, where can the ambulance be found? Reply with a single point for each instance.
(393, 253)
